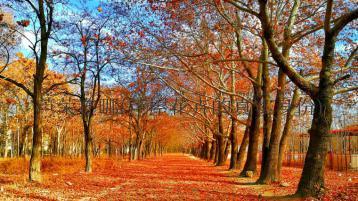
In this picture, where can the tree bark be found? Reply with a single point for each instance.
(139, 150)
(254, 133)
(212, 150)
(216, 152)
(88, 149)
(267, 116)
(207, 154)
(23, 137)
(234, 144)
(287, 129)
(269, 167)
(220, 137)
(312, 178)
(244, 143)
(58, 141)
(35, 160)
(5, 132)
(233, 131)
(202, 150)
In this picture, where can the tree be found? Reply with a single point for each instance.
(271, 19)
(312, 179)
(145, 96)
(207, 54)
(21, 70)
(43, 13)
(87, 53)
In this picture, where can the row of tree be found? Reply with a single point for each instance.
(140, 129)
(273, 50)
(212, 54)
(49, 104)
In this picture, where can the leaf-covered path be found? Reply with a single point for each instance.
(169, 177)
(176, 177)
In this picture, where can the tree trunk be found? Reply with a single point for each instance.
(35, 160)
(267, 116)
(88, 148)
(207, 149)
(6, 143)
(244, 143)
(227, 148)
(269, 167)
(5, 132)
(155, 150)
(25, 148)
(233, 131)
(130, 134)
(139, 150)
(203, 150)
(221, 138)
(109, 148)
(134, 152)
(23, 138)
(234, 144)
(312, 178)
(287, 128)
(12, 145)
(216, 152)
(254, 133)
(212, 150)
(58, 141)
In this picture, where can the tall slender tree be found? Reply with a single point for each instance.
(43, 15)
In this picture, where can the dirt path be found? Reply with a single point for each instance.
(170, 177)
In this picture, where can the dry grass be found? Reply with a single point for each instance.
(60, 165)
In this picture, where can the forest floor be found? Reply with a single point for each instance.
(170, 177)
